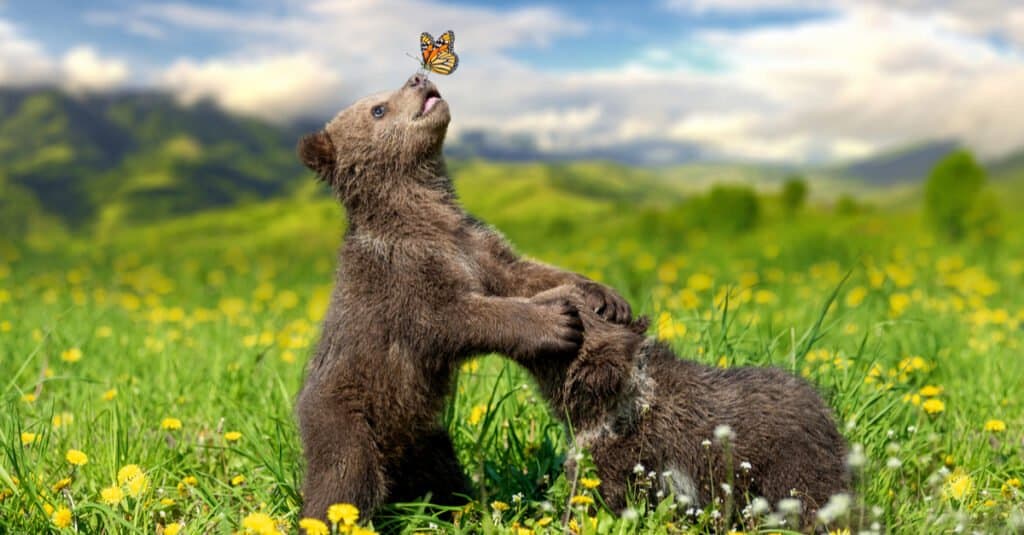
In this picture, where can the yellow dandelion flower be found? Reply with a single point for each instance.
(669, 328)
(185, 483)
(172, 529)
(1009, 488)
(933, 406)
(499, 506)
(590, 482)
(133, 479)
(232, 436)
(237, 480)
(61, 518)
(61, 484)
(580, 499)
(840, 531)
(995, 426)
(112, 495)
(545, 521)
(958, 486)
(166, 502)
(71, 355)
(477, 414)
(313, 526)
(345, 513)
(260, 523)
(109, 394)
(62, 419)
(76, 457)
(519, 530)
(170, 424)
(5, 326)
(28, 397)
(28, 439)
(356, 530)
(930, 391)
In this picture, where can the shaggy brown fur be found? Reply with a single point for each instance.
(420, 287)
(630, 401)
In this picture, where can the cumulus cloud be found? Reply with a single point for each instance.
(23, 62)
(275, 88)
(82, 69)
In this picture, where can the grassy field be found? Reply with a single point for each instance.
(148, 376)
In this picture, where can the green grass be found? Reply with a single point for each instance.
(209, 319)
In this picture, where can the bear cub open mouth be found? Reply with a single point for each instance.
(431, 98)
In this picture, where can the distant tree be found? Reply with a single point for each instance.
(846, 205)
(794, 194)
(951, 191)
(732, 208)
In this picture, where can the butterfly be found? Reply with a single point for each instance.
(439, 56)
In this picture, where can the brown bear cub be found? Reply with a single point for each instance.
(420, 287)
(661, 425)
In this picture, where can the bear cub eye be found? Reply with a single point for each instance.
(378, 111)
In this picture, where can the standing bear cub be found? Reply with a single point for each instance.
(632, 403)
(421, 286)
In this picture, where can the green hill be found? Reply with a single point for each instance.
(107, 159)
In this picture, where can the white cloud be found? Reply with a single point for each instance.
(82, 69)
(274, 88)
(23, 62)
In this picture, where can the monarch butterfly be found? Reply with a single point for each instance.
(439, 55)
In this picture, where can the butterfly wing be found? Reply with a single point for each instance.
(444, 63)
(428, 48)
(446, 43)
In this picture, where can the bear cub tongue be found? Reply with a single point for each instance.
(429, 103)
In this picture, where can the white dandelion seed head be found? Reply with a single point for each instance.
(660, 494)
(638, 469)
(578, 457)
(726, 488)
(666, 473)
(517, 497)
(690, 511)
(652, 474)
(745, 466)
(876, 511)
(890, 433)
(716, 514)
(546, 506)
(706, 443)
(911, 428)
(724, 433)
(683, 499)
(837, 506)
(893, 463)
(789, 506)
(630, 514)
(856, 457)
(774, 519)
(760, 506)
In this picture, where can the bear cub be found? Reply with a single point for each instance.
(640, 410)
(420, 286)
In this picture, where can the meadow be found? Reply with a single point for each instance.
(149, 375)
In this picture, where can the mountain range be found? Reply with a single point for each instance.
(94, 161)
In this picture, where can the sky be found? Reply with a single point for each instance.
(787, 81)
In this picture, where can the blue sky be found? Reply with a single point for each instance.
(766, 80)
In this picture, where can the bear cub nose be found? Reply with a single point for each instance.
(415, 81)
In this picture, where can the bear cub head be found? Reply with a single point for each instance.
(389, 133)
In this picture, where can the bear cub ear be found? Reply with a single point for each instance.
(317, 153)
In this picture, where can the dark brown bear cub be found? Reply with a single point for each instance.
(639, 410)
(420, 286)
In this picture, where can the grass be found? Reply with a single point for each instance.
(179, 348)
